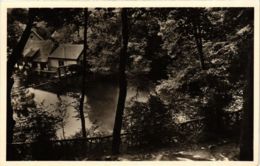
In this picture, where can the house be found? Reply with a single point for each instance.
(47, 55)
(37, 52)
(65, 55)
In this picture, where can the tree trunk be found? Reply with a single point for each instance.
(196, 23)
(198, 40)
(246, 137)
(122, 85)
(12, 60)
(84, 65)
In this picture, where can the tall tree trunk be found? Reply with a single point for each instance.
(196, 23)
(246, 137)
(198, 40)
(84, 65)
(12, 60)
(122, 85)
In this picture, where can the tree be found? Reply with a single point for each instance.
(247, 130)
(193, 22)
(104, 40)
(122, 85)
(247, 63)
(145, 51)
(12, 60)
(84, 65)
(197, 32)
(16, 19)
(35, 122)
(61, 108)
(144, 119)
(72, 22)
(237, 26)
(214, 93)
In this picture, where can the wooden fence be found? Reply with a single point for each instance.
(70, 149)
(66, 149)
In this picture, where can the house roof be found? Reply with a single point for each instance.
(36, 34)
(31, 53)
(67, 51)
(44, 47)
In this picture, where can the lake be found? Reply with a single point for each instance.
(99, 103)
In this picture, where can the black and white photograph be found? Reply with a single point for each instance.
(130, 84)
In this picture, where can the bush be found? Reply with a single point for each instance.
(149, 123)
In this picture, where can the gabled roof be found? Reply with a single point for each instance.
(67, 51)
(31, 53)
(36, 34)
(44, 47)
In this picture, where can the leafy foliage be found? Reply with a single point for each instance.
(34, 122)
(143, 121)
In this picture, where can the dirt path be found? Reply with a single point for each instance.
(196, 152)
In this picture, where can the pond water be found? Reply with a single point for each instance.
(99, 105)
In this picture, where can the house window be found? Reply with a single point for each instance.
(38, 66)
(61, 63)
(43, 65)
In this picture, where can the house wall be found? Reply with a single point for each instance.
(40, 66)
(54, 63)
(70, 62)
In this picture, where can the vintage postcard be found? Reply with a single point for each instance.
(111, 82)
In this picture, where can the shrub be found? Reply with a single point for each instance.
(149, 123)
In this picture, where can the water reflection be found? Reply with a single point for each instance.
(99, 105)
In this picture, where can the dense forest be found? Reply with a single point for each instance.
(178, 83)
